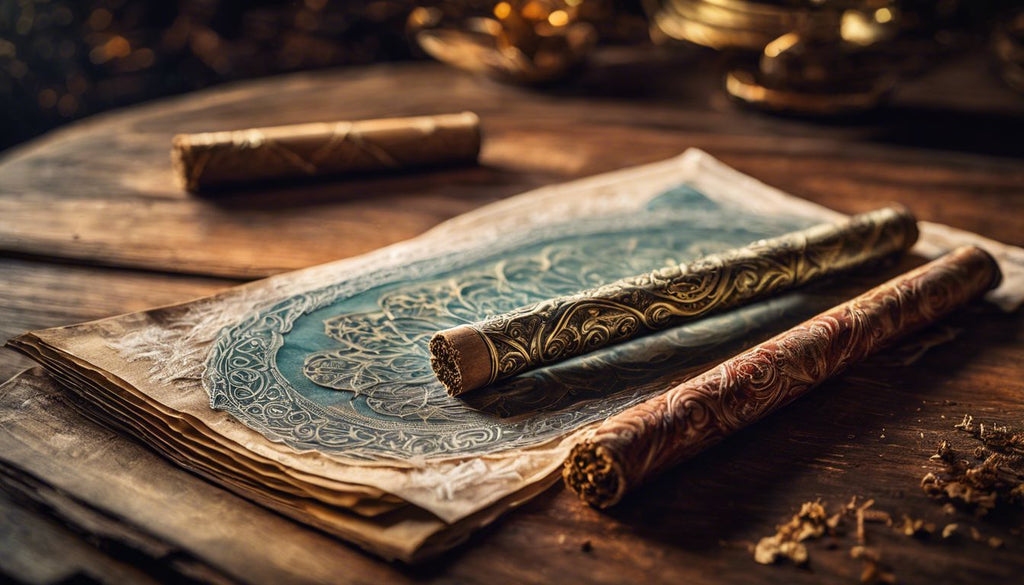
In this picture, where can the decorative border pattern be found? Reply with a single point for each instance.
(243, 377)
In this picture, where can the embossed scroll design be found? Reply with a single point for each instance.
(383, 353)
(562, 328)
(271, 155)
(323, 148)
(641, 442)
(369, 336)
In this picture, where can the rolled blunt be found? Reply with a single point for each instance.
(630, 448)
(215, 159)
(475, 355)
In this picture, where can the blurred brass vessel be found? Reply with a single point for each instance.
(519, 41)
(804, 56)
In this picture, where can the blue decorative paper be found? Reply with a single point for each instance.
(345, 369)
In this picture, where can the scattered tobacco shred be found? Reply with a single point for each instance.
(992, 474)
(812, 521)
(874, 572)
(914, 527)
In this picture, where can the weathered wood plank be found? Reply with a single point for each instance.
(36, 295)
(37, 550)
(101, 191)
(176, 526)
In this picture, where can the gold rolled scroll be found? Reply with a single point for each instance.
(637, 444)
(215, 159)
(467, 357)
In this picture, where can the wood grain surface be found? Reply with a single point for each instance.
(109, 196)
(91, 225)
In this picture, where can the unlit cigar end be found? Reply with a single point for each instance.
(593, 473)
(460, 359)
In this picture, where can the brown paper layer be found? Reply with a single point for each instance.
(630, 448)
(203, 161)
(566, 327)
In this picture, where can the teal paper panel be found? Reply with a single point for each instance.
(345, 369)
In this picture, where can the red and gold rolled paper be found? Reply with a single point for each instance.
(216, 159)
(630, 448)
(475, 355)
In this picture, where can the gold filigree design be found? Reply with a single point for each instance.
(643, 441)
(565, 327)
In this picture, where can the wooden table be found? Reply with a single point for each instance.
(91, 225)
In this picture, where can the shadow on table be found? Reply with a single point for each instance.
(733, 492)
(988, 133)
(464, 182)
(736, 492)
(862, 434)
(834, 431)
(693, 80)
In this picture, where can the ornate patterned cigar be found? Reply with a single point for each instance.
(639, 443)
(212, 159)
(471, 356)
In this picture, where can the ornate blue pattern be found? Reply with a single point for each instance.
(345, 369)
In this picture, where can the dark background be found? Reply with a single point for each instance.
(64, 59)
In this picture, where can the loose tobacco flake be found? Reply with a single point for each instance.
(915, 527)
(874, 572)
(993, 474)
(812, 521)
(950, 530)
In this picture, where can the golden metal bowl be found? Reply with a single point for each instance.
(804, 56)
(521, 41)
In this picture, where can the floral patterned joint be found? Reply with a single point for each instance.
(558, 329)
(641, 442)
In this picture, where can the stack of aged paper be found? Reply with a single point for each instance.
(311, 392)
